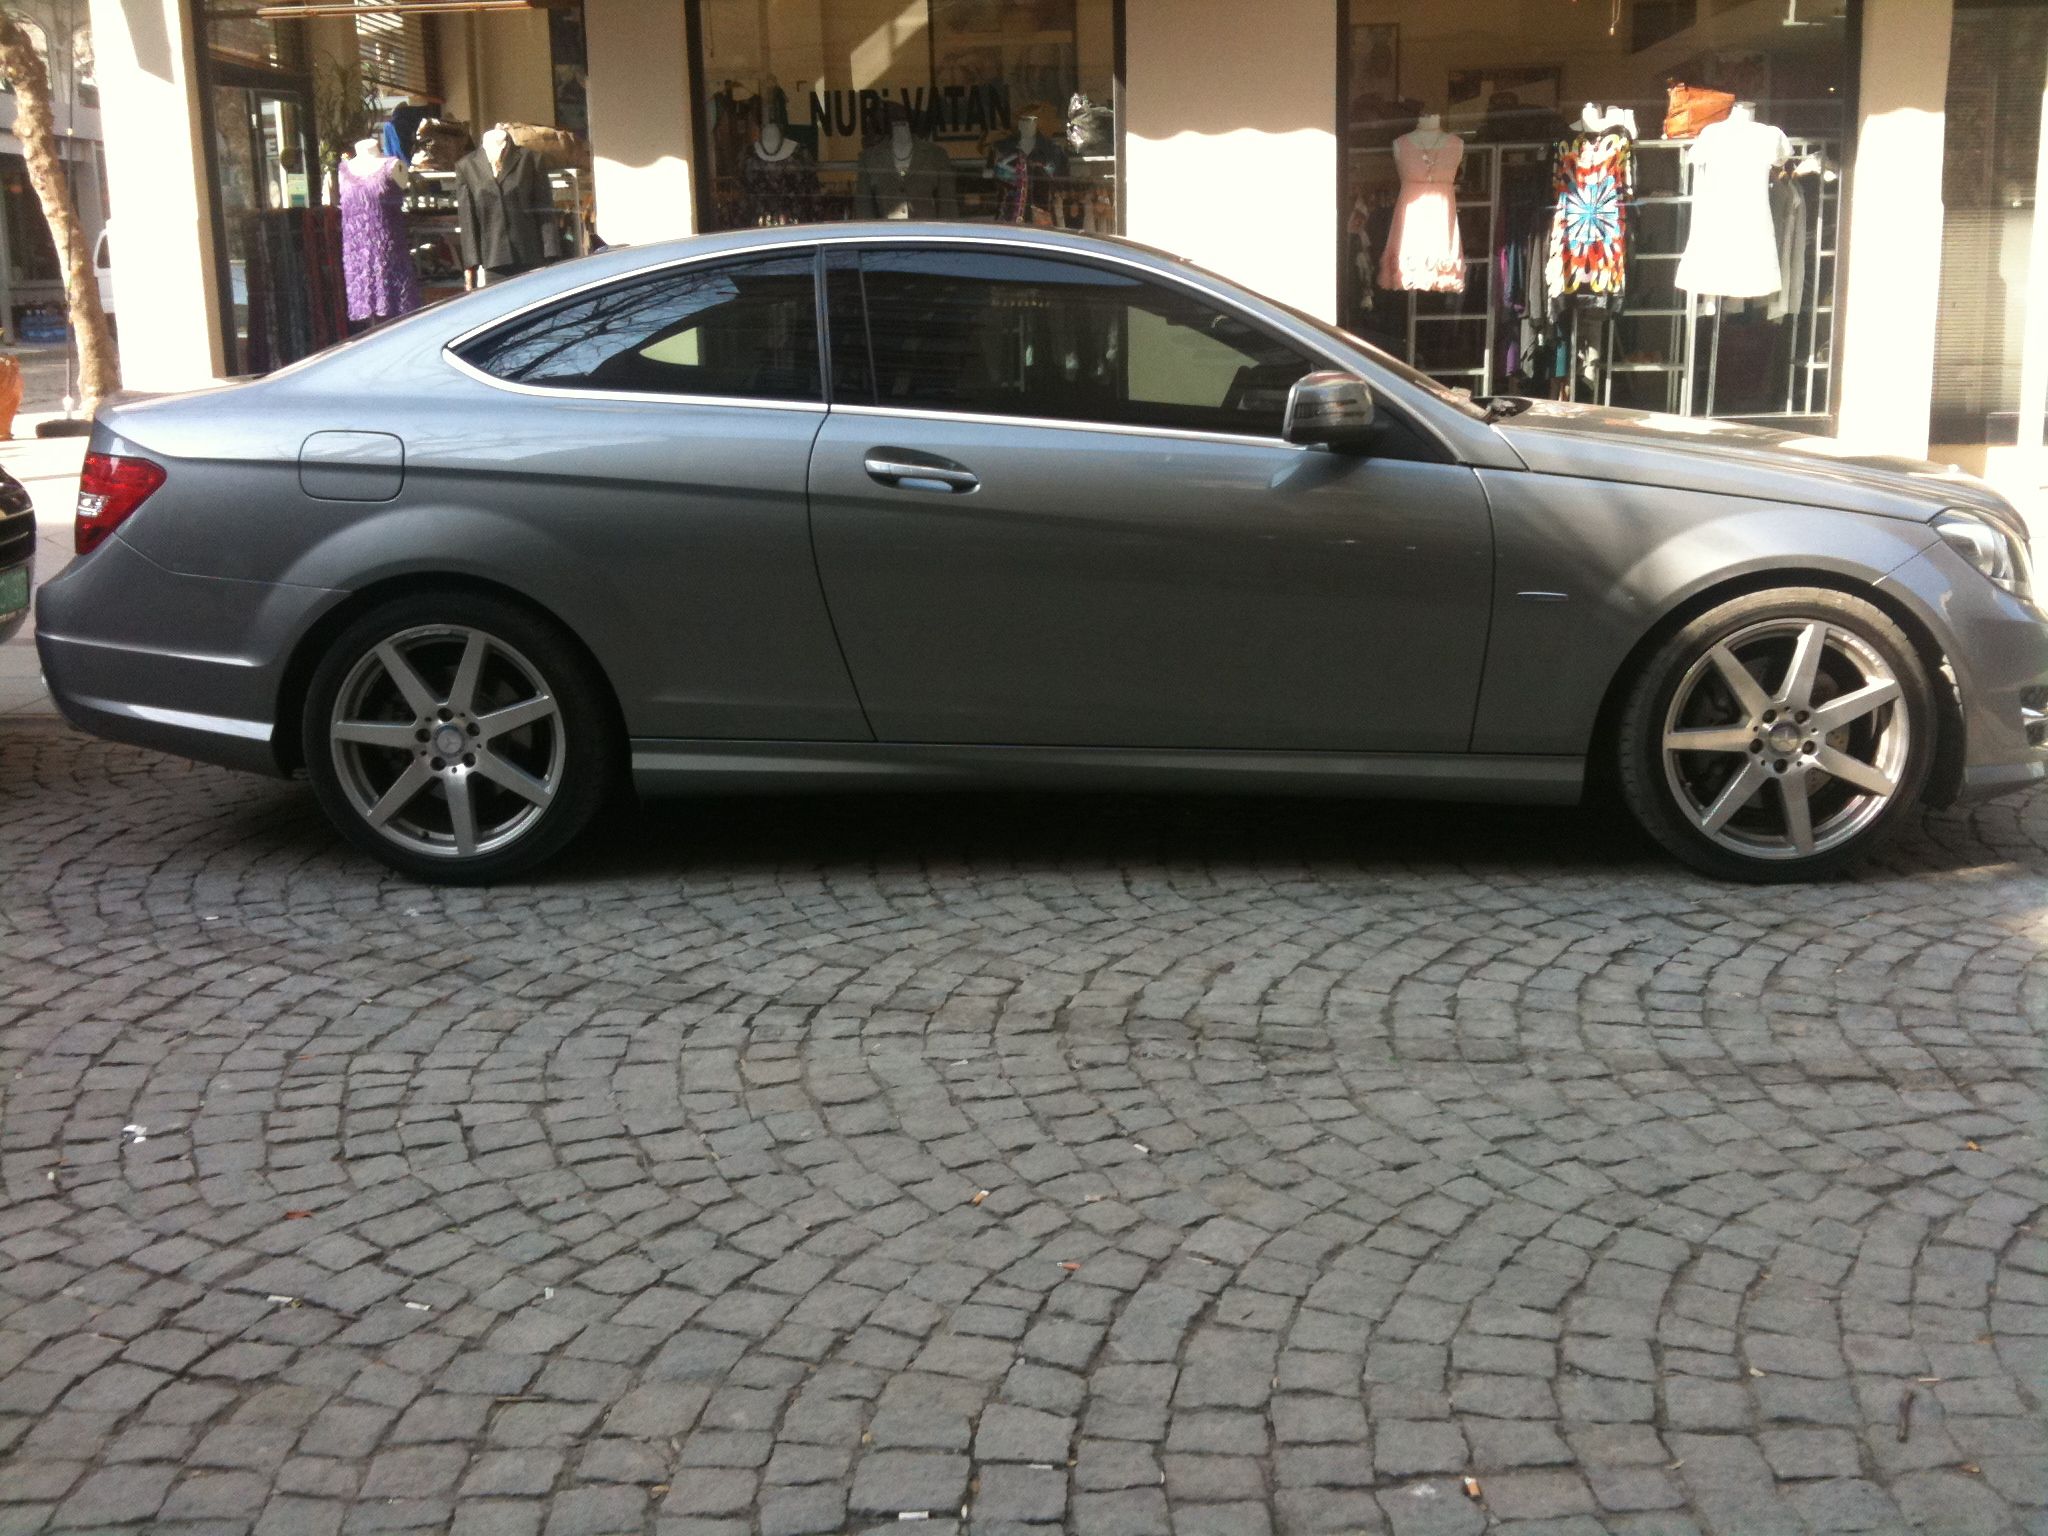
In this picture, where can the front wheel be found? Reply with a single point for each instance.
(1784, 735)
(457, 737)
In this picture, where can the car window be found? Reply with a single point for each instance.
(1010, 334)
(745, 329)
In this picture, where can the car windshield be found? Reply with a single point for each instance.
(1458, 399)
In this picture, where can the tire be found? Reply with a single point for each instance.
(395, 750)
(1838, 714)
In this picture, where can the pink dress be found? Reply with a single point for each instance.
(1424, 252)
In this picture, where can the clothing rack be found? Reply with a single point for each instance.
(1680, 358)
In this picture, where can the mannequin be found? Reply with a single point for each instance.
(1598, 119)
(1732, 251)
(1425, 252)
(506, 210)
(779, 178)
(1029, 166)
(376, 258)
(902, 176)
(1586, 256)
(370, 150)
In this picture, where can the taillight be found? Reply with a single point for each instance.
(110, 487)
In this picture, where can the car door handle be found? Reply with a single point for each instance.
(920, 477)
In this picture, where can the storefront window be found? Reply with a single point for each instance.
(337, 154)
(998, 110)
(1631, 203)
(1997, 74)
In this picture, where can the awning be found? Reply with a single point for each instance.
(311, 10)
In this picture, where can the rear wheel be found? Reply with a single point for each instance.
(1783, 735)
(457, 737)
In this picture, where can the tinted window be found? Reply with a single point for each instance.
(747, 329)
(1015, 335)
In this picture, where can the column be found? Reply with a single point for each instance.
(641, 117)
(1230, 140)
(166, 293)
(1885, 348)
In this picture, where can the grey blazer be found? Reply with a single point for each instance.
(927, 192)
(508, 221)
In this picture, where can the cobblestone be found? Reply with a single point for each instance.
(1116, 1165)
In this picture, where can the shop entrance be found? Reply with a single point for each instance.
(266, 168)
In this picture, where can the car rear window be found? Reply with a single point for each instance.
(743, 329)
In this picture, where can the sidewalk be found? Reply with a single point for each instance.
(49, 468)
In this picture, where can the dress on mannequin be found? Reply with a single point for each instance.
(1029, 173)
(778, 181)
(1424, 251)
(1732, 251)
(376, 263)
(1592, 180)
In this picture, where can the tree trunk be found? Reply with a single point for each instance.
(99, 369)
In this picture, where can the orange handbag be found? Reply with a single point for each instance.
(1693, 107)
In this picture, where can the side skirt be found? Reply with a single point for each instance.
(778, 767)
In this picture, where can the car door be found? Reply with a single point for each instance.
(655, 434)
(1052, 506)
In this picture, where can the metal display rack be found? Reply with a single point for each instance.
(1664, 164)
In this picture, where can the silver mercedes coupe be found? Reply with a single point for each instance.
(948, 505)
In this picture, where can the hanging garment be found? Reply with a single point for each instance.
(1790, 215)
(1592, 179)
(781, 188)
(507, 213)
(1732, 250)
(376, 255)
(1424, 252)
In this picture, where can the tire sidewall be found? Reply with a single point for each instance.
(1649, 794)
(590, 755)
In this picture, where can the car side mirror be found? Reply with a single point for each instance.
(1330, 410)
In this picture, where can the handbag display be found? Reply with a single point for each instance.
(1693, 107)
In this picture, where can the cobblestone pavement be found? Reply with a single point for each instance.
(1134, 1165)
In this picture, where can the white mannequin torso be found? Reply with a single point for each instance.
(1428, 132)
(369, 157)
(772, 146)
(900, 148)
(497, 144)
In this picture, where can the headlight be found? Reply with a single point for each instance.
(2001, 557)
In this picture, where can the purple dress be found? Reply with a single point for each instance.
(375, 261)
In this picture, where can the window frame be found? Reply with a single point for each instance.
(451, 350)
(1439, 446)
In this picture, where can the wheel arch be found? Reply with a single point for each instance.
(1945, 775)
(297, 677)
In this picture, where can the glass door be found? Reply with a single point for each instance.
(267, 189)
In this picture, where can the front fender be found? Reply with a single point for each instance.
(1585, 569)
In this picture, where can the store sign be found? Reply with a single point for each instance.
(953, 111)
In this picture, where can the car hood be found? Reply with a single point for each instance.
(1727, 458)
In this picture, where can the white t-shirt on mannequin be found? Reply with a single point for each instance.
(1732, 251)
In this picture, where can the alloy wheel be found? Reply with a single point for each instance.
(1786, 739)
(447, 741)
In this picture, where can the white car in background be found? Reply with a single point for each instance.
(103, 267)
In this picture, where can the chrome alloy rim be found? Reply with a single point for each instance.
(1786, 739)
(447, 741)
